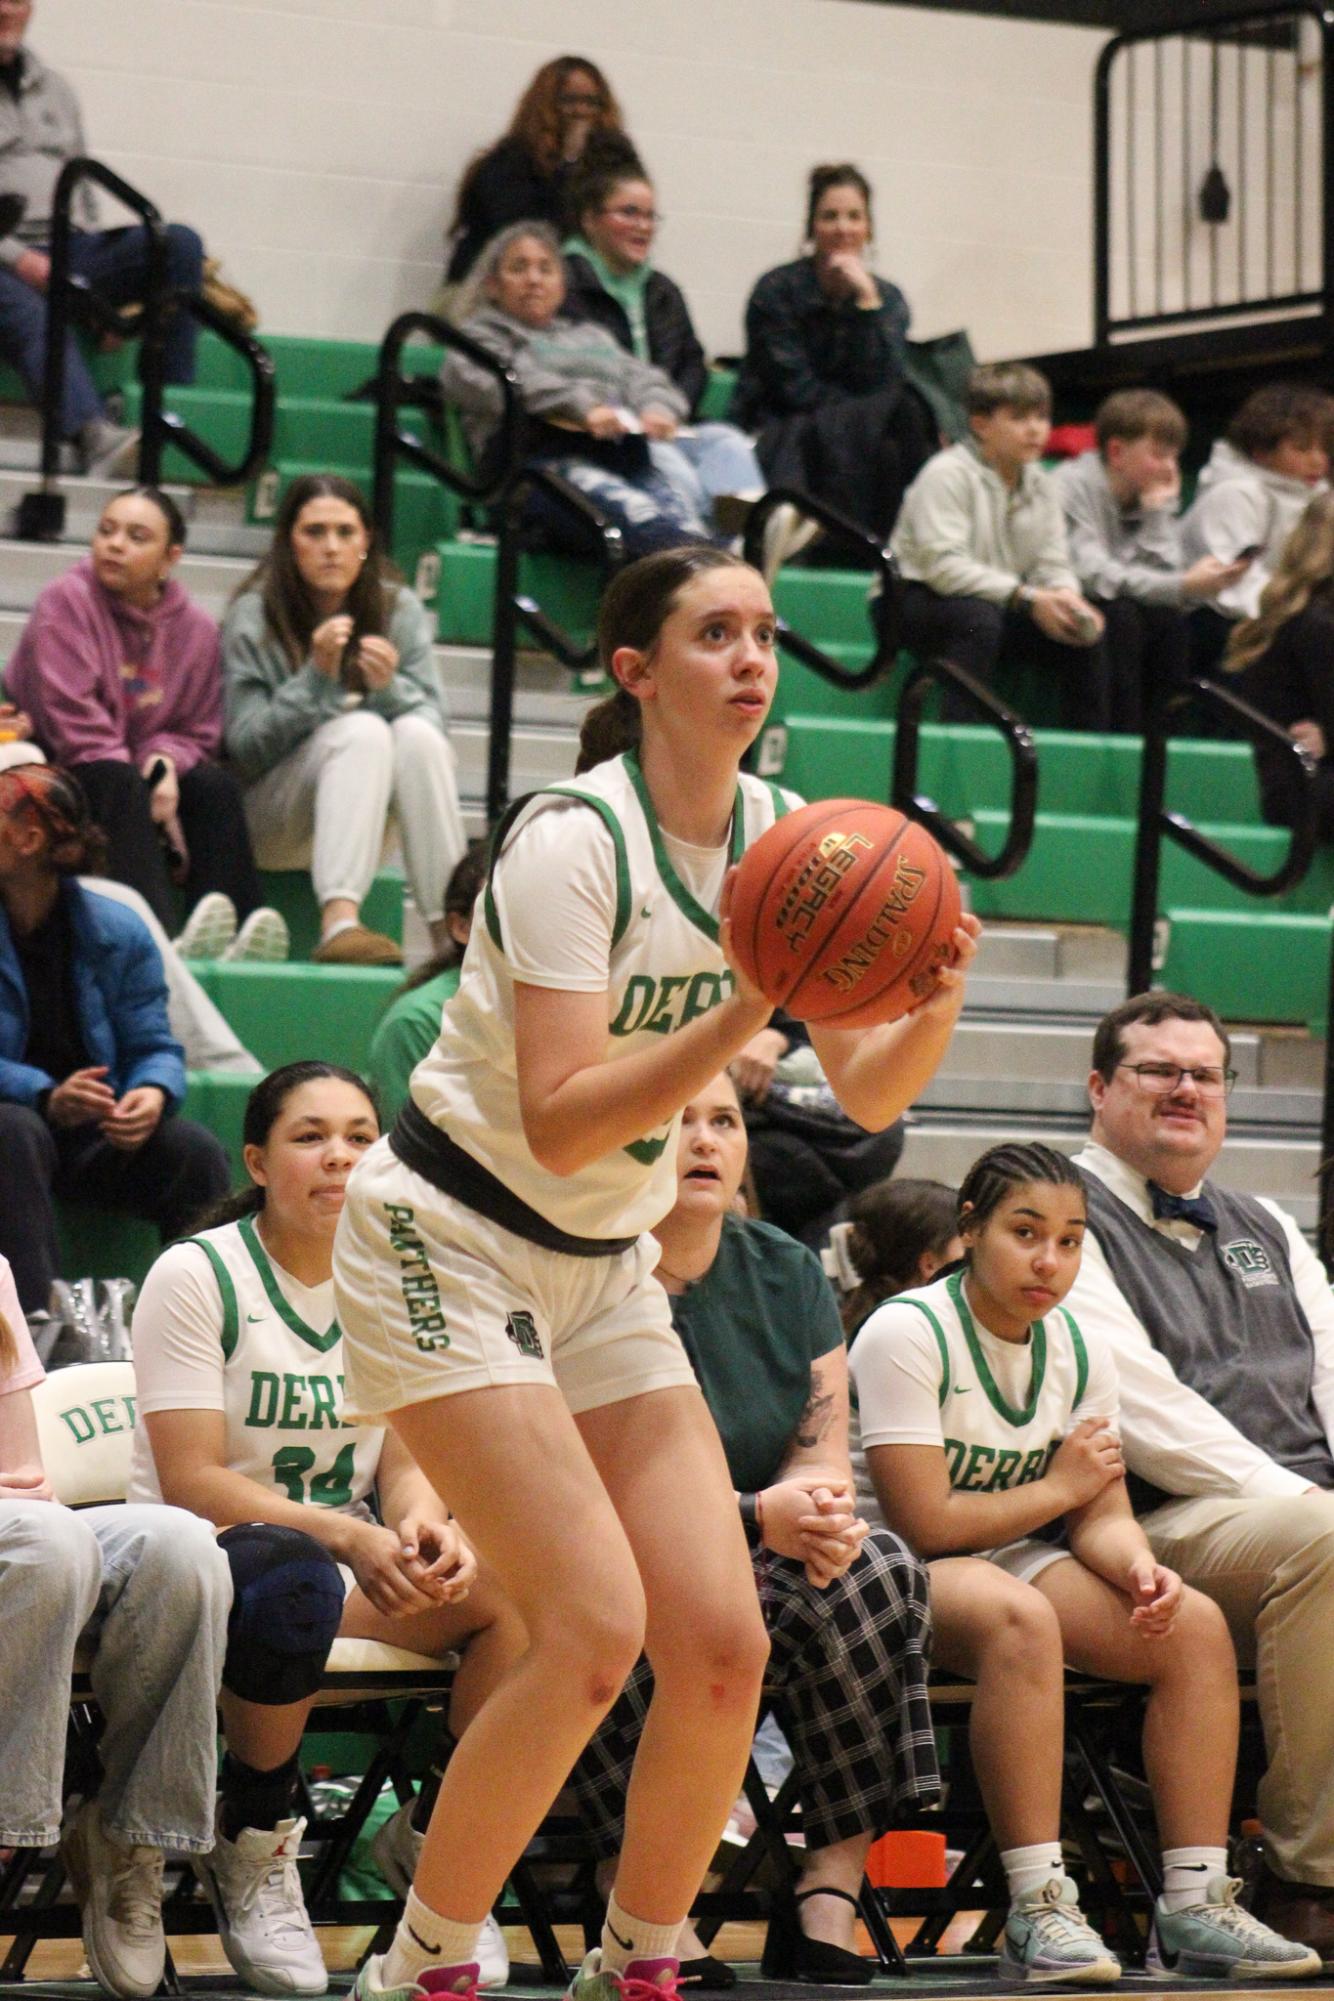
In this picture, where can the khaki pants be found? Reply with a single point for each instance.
(1269, 1566)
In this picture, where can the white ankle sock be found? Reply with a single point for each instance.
(425, 1939)
(1029, 1868)
(343, 924)
(1187, 1874)
(626, 1939)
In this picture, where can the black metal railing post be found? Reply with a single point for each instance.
(1018, 740)
(42, 514)
(1157, 821)
(515, 611)
(849, 534)
(393, 388)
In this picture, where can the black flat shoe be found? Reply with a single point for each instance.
(790, 1955)
(706, 1975)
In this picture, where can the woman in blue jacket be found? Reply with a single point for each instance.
(89, 1071)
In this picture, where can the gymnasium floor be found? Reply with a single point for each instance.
(205, 1974)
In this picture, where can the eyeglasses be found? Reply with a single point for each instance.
(580, 100)
(1161, 1079)
(651, 216)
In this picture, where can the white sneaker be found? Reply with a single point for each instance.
(263, 938)
(396, 1849)
(120, 1898)
(209, 929)
(256, 1893)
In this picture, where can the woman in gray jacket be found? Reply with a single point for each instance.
(334, 716)
(592, 408)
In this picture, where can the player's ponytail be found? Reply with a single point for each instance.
(635, 607)
(610, 727)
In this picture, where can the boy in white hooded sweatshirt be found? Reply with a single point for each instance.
(1251, 495)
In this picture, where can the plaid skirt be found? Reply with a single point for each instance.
(847, 1673)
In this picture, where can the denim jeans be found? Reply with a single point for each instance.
(149, 1589)
(718, 458)
(112, 260)
(648, 510)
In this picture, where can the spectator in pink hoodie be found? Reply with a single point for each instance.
(120, 672)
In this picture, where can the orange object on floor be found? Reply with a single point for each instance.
(907, 1859)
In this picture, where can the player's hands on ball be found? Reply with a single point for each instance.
(946, 998)
(745, 988)
(1155, 1594)
(437, 1559)
(1086, 1461)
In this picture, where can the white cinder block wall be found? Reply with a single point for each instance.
(317, 143)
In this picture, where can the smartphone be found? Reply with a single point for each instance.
(1249, 553)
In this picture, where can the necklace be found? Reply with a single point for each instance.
(679, 1277)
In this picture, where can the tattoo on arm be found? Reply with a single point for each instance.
(817, 1414)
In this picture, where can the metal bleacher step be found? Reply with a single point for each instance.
(215, 517)
(27, 567)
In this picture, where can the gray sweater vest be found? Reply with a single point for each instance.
(1227, 1318)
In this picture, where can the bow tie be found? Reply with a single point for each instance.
(1196, 1209)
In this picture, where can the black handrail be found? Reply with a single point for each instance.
(393, 388)
(874, 558)
(42, 514)
(515, 610)
(1018, 740)
(1155, 820)
(172, 429)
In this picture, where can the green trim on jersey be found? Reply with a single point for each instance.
(608, 817)
(907, 1299)
(671, 881)
(231, 1317)
(781, 807)
(282, 1306)
(954, 1286)
(1081, 1355)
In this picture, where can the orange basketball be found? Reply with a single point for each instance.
(844, 912)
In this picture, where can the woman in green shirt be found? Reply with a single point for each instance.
(411, 1022)
(762, 1331)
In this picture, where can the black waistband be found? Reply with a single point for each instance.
(428, 1151)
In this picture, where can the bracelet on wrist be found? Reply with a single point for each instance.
(748, 1505)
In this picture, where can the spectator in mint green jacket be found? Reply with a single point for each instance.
(334, 716)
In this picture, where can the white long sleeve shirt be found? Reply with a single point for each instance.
(1172, 1435)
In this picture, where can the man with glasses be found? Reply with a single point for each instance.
(1222, 1322)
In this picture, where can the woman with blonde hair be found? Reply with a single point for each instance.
(524, 176)
(1284, 658)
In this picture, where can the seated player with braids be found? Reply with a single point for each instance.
(239, 1365)
(988, 1424)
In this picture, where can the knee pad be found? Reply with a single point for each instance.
(287, 1600)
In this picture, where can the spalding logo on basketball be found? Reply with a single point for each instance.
(845, 912)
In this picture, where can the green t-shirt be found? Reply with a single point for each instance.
(626, 287)
(752, 1326)
(406, 1032)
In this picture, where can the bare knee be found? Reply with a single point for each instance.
(1021, 1636)
(595, 1642)
(717, 1656)
(1199, 1643)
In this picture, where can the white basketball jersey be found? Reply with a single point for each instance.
(1000, 1408)
(282, 1386)
(666, 968)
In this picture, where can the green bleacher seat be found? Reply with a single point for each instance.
(217, 1099)
(285, 1013)
(97, 1243)
(290, 891)
(1256, 964)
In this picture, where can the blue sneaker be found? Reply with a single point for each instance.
(458, 1982)
(1218, 1940)
(642, 1980)
(1049, 1942)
